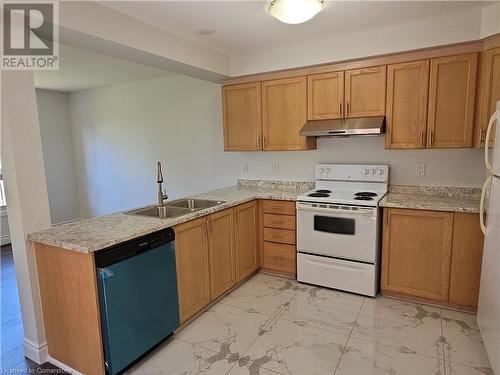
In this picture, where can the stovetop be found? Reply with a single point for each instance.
(349, 184)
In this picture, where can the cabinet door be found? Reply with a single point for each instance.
(452, 92)
(246, 237)
(407, 95)
(466, 260)
(284, 113)
(325, 96)
(191, 256)
(221, 252)
(365, 92)
(416, 253)
(489, 92)
(241, 108)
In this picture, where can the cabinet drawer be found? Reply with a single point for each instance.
(279, 235)
(278, 207)
(279, 221)
(279, 258)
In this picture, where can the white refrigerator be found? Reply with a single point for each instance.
(488, 314)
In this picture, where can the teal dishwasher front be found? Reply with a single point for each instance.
(138, 298)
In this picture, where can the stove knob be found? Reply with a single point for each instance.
(380, 172)
(328, 170)
(366, 172)
(374, 171)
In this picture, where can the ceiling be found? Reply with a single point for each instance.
(235, 27)
(81, 69)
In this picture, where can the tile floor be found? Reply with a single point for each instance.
(271, 325)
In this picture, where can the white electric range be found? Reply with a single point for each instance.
(338, 227)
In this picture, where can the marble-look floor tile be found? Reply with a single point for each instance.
(266, 297)
(369, 358)
(225, 328)
(176, 357)
(291, 348)
(400, 324)
(457, 369)
(324, 308)
(462, 341)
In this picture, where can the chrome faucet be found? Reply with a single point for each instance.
(162, 195)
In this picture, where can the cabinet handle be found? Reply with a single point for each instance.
(422, 137)
(482, 136)
(257, 143)
(431, 137)
(348, 110)
(263, 142)
(340, 109)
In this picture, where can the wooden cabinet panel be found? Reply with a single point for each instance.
(325, 96)
(466, 260)
(284, 113)
(365, 92)
(278, 207)
(192, 266)
(279, 235)
(489, 92)
(452, 92)
(416, 255)
(279, 221)
(221, 252)
(241, 109)
(246, 237)
(280, 258)
(70, 307)
(407, 95)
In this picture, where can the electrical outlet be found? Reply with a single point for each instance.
(244, 168)
(274, 168)
(420, 169)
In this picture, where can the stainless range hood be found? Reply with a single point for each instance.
(344, 127)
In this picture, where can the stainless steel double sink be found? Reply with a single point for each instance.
(175, 208)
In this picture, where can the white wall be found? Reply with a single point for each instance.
(57, 145)
(490, 20)
(453, 28)
(121, 131)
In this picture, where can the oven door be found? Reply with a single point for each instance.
(347, 232)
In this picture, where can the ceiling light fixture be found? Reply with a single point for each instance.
(295, 11)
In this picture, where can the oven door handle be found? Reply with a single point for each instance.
(362, 212)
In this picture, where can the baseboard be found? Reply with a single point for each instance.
(36, 352)
(64, 367)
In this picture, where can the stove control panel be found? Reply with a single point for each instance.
(352, 172)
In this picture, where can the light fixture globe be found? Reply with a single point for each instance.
(295, 11)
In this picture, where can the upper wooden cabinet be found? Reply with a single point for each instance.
(325, 96)
(246, 239)
(489, 92)
(452, 92)
(191, 257)
(407, 94)
(417, 252)
(284, 113)
(221, 252)
(365, 92)
(241, 109)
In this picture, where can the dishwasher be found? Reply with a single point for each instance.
(138, 298)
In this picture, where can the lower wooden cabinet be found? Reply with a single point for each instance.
(192, 265)
(432, 255)
(466, 260)
(246, 239)
(279, 238)
(221, 252)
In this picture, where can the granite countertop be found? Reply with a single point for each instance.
(90, 235)
(433, 198)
